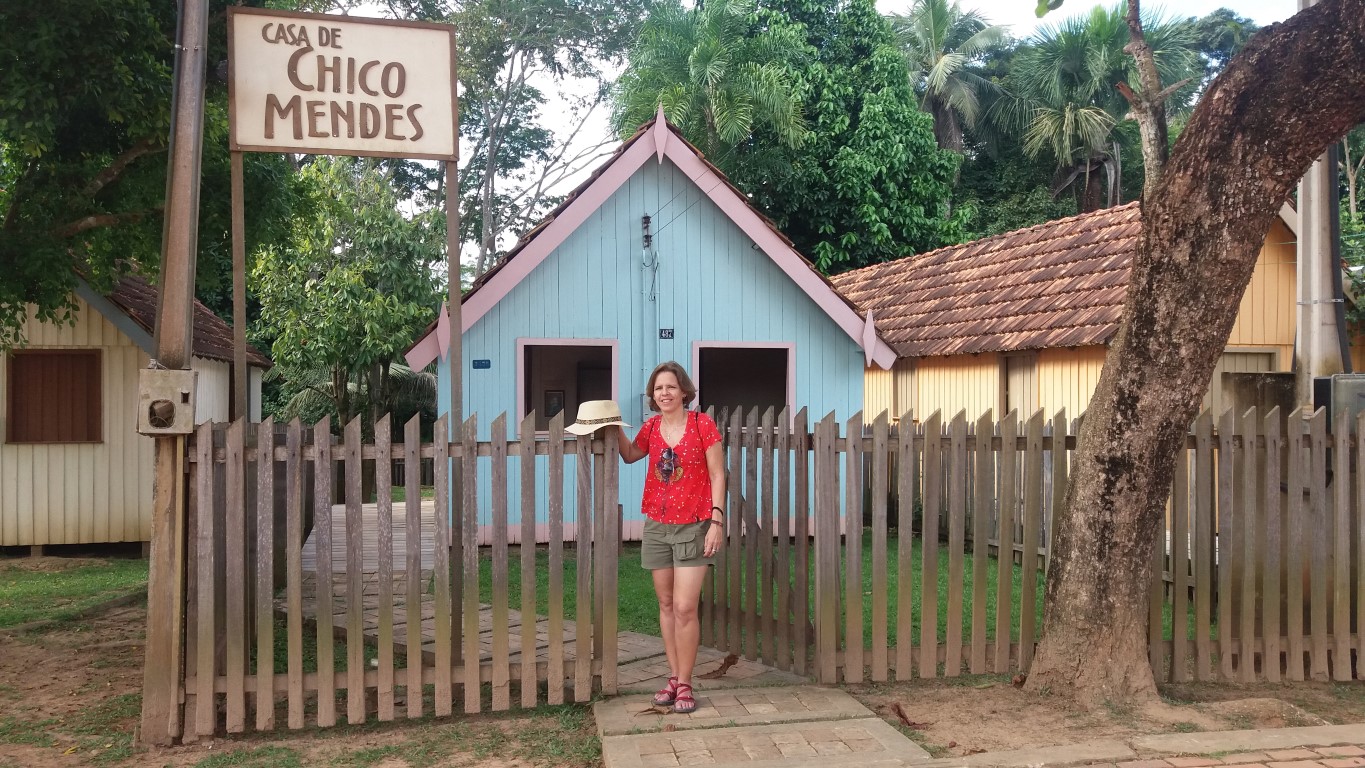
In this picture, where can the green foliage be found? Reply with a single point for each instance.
(1218, 37)
(1003, 193)
(85, 96)
(720, 70)
(356, 282)
(943, 46)
(870, 183)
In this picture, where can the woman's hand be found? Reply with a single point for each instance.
(715, 536)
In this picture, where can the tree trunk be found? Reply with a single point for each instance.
(1295, 89)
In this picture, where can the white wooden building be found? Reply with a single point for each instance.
(73, 469)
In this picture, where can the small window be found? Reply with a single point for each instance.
(54, 396)
(743, 377)
(557, 377)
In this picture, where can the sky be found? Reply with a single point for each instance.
(1018, 14)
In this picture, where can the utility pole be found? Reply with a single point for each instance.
(174, 345)
(1319, 346)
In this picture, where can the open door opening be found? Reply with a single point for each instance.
(743, 377)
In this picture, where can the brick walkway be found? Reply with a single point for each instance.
(804, 726)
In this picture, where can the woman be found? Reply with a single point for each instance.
(684, 507)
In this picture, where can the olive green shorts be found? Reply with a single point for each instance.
(674, 546)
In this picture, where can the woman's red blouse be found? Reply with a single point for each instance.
(678, 491)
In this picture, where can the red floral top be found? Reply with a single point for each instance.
(678, 485)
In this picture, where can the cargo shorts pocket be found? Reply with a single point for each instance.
(686, 541)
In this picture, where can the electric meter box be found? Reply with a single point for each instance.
(1345, 393)
(165, 401)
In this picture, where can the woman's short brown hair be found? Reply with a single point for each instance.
(684, 381)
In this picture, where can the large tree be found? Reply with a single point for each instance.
(84, 114)
(1296, 88)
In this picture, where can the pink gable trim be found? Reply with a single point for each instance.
(661, 134)
(423, 352)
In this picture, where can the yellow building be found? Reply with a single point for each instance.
(73, 469)
(1022, 320)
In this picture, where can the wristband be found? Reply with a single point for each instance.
(714, 521)
(718, 509)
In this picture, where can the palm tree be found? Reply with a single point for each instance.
(716, 72)
(1066, 100)
(940, 43)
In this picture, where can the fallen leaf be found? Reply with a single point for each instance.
(670, 728)
(905, 719)
(719, 672)
(973, 751)
(1019, 680)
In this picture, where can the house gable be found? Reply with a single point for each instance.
(658, 141)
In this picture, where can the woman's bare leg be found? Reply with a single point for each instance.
(663, 588)
(686, 629)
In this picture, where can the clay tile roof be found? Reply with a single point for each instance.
(212, 337)
(1059, 284)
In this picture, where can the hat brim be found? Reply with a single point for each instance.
(587, 429)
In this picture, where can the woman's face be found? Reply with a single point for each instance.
(668, 396)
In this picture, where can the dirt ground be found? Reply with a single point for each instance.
(986, 713)
(69, 697)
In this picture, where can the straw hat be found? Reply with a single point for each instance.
(595, 414)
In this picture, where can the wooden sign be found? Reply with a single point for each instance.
(326, 84)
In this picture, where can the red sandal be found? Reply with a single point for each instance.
(683, 702)
(668, 694)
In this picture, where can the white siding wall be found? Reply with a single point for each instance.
(68, 494)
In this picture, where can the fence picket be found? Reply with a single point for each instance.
(1249, 524)
(322, 527)
(1319, 501)
(928, 584)
(880, 580)
(983, 499)
(412, 572)
(1360, 536)
(265, 574)
(1059, 479)
(526, 453)
(206, 640)
(1004, 551)
(1341, 551)
(355, 574)
(1271, 573)
(1180, 566)
(554, 614)
(957, 535)
(751, 535)
(1224, 541)
(470, 655)
(501, 626)
(706, 608)
(801, 513)
(383, 481)
(907, 485)
(235, 538)
(734, 522)
(784, 511)
(1033, 521)
(610, 552)
(1298, 466)
(583, 526)
(447, 574)
(853, 551)
(293, 579)
(1203, 545)
(826, 550)
(767, 585)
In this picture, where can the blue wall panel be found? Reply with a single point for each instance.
(712, 285)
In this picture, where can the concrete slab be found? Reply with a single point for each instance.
(737, 707)
(864, 742)
(1246, 741)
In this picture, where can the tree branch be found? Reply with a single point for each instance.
(1149, 106)
(94, 221)
(120, 164)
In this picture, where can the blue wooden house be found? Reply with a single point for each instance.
(655, 257)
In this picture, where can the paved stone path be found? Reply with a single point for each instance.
(804, 726)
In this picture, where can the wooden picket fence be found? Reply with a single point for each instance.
(250, 483)
(1265, 514)
(1261, 576)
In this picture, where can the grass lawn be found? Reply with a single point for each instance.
(29, 595)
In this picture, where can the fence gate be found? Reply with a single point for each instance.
(756, 601)
(306, 605)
